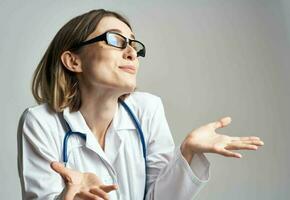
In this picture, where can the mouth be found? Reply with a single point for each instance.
(128, 68)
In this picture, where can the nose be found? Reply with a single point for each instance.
(130, 53)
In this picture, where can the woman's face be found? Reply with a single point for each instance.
(102, 64)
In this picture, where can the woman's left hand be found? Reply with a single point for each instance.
(206, 140)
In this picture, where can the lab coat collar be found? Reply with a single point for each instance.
(121, 119)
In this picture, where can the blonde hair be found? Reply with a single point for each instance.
(54, 84)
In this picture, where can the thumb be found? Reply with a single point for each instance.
(61, 169)
(109, 188)
(225, 121)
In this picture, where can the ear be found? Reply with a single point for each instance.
(71, 61)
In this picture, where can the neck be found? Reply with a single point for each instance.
(98, 109)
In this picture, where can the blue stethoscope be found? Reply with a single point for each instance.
(83, 136)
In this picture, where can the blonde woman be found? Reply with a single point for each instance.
(93, 136)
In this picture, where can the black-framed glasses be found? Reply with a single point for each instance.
(116, 40)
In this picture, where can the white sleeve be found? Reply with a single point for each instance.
(36, 149)
(169, 176)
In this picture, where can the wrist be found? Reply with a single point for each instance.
(186, 152)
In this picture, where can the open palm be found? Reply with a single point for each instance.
(82, 185)
(205, 139)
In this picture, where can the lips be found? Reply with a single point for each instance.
(128, 68)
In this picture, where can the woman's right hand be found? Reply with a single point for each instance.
(82, 185)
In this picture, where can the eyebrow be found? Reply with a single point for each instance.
(119, 31)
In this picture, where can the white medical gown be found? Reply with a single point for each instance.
(169, 176)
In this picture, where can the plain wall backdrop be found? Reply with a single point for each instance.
(206, 59)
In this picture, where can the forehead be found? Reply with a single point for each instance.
(108, 23)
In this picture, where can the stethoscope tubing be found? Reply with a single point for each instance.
(83, 136)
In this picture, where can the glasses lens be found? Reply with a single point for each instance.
(136, 45)
(116, 40)
(139, 47)
(119, 41)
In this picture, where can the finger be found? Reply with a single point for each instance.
(88, 196)
(109, 188)
(246, 138)
(99, 192)
(254, 142)
(241, 146)
(225, 121)
(61, 169)
(227, 153)
(250, 145)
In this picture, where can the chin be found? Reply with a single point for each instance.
(128, 88)
(130, 84)
(125, 86)
(131, 88)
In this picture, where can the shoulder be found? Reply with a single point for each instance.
(144, 103)
(38, 116)
(41, 128)
(39, 112)
(38, 133)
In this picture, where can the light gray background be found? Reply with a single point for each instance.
(206, 59)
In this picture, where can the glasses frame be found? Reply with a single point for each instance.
(103, 37)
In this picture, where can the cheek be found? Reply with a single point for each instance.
(98, 56)
(101, 66)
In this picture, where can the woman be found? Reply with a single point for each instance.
(85, 85)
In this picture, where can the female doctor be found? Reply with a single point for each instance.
(92, 136)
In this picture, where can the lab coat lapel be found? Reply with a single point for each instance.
(114, 142)
(114, 138)
(122, 120)
(78, 124)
